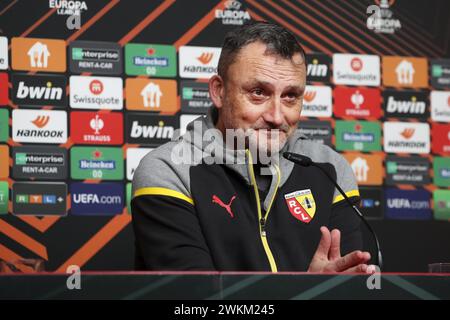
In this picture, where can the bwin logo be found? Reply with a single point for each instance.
(412, 106)
(47, 92)
(160, 131)
(315, 69)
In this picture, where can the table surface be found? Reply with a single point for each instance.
(225, 286)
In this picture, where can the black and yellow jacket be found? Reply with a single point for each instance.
(203, 216)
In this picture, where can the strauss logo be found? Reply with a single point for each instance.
(96, 124)
(357, 99)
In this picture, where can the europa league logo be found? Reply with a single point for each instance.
(385, 4)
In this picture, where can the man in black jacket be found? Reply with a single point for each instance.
(204, 201)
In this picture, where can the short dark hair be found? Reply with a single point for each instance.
(279, 41)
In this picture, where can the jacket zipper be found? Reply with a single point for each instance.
(263, 226)
(263, 220)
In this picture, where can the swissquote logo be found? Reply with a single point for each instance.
(317, 102)
(39, 90)
(198, 62)
(406, 137)
(356, 69)
(440, 106)
(4, 53)
(96, 93)
(39, 126)
(301, 205)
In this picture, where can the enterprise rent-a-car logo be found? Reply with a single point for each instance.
(4, 61)
(39, 162)
(95, 57)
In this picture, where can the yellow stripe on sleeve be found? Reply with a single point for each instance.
(156, 191)
(351, 193)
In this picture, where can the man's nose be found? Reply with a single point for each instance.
(274, 114)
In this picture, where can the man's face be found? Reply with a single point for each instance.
(263, 92)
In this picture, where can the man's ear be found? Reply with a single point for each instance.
(216, 90)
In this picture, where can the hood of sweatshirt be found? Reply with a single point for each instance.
(208, 141)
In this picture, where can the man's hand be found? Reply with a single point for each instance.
(328, 256)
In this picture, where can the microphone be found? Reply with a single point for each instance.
(306, 162)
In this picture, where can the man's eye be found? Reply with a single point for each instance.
(257, 92)
(292, 96)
